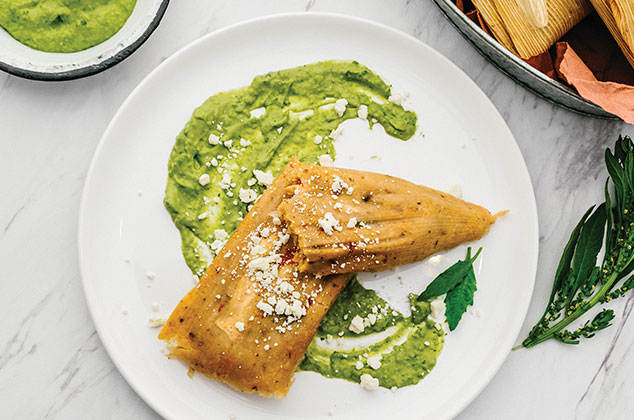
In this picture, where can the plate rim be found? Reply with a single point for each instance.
(91, 69)
(156, 405)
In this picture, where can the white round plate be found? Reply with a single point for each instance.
(124, 231)
(20, 60)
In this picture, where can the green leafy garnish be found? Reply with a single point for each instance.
(460, 298)
(459, 283)
(580, 284)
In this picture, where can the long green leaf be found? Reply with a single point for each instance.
(609, 240)
(588, 247)
(563, 269)
(459, 299)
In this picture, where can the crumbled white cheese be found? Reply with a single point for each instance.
(286, 287)
(240, 326)
(217, 245)
(156, 306)
(264, 307)
(399, 98)
(245, 143)
(329, 224)
(214, 139)
(336, 133)
(214, 162)
(225, 183)
(356, 325)
(374, 361)
(437, 309)
(340, 106)
(281, 306)
(248, 195)
(352, 222)
(228, 144)
(157, 321)
(358, 365)
(251, 182)
(318, 139)
(455, 190)
(338, 185)
(221, 234)
(204, 179)
(368, 382)
(362, 112)
(258, 112)
(325, 160)
(264, 178)
(150, 275)
(202, 216)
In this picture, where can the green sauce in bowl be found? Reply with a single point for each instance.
(64, 26)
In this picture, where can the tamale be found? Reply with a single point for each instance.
(535, 12)
(348, 221)
(251, 317)
(509, 23)
(493, 19)
(618, 16)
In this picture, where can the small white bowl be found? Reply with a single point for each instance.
(20, 60)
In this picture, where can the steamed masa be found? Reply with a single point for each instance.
(64, 26)
(227, 154)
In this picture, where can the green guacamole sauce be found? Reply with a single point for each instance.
(64, 26)
(277, 117)
(260, 128)
(407, 347)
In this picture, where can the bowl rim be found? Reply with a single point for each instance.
(93, 68)
(447, 6)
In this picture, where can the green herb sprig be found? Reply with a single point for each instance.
(459, 283)
(580, 284)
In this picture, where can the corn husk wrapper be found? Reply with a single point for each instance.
(510, 27)
(535, 12)
(618, 16)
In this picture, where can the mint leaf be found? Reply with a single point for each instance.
(459, 298)
(449, 278)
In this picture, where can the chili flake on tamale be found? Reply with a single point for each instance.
(349, 221)
(251, 317)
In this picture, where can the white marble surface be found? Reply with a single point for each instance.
(52, 364)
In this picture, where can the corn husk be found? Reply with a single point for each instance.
(618, 16)
(535, 12)
(381, 221)
(493, 19)
(515, 32)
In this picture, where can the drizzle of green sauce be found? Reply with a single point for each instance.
(406, 346)
(278, 116)
(290, 108)
(64, 26)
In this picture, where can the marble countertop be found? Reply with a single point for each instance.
(52, 363)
